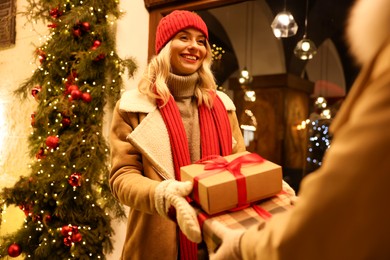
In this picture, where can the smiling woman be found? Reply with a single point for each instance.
(175, 118)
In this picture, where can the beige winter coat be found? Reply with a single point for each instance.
(140, 159)
(343, 209)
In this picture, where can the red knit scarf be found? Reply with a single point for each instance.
(216, 139)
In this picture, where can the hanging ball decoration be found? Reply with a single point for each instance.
(75, 179)
(70, 88)
(14, 250)
(76, 32)
(76, 237)
(41, 55)
(68, 241)
(76, 94)
(86, 97)
(96, 44)
(52, 141)
(66, 231)
(35, 92)
(86, 26)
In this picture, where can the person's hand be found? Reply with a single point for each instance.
(171, 193)
(230, 246)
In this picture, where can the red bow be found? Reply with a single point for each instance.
(220, 164)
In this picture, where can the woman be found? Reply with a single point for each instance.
(174, 118)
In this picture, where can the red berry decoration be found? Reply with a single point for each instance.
(52, 141)
(14, 250)
(40, 154)
(86, 97)
(65, 121)
(75, 179)
(52, 26)
(100, 57)
(55, 13)
(76, 94)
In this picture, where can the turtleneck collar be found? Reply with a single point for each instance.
(182, 86)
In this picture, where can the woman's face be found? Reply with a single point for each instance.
(188, 50)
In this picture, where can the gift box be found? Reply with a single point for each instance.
(243, 219)
(231, 182)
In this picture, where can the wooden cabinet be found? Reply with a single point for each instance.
(282, 102)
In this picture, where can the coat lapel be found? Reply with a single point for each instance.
(150, 137)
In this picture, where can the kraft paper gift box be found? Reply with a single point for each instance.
(243, 219)
(221, 184)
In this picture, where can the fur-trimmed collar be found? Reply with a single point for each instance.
(368, 28)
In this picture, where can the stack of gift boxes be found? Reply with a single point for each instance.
(239, 191)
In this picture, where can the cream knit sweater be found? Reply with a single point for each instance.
(183, 89)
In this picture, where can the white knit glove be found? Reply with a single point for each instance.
(230, 246)
(172, 193)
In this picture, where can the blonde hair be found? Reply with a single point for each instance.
(153, 82)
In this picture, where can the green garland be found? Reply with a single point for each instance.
(66, 197)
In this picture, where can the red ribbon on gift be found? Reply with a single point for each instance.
(220, 164)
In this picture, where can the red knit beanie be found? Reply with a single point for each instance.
(175, 22)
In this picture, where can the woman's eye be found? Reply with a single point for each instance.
(202, 42)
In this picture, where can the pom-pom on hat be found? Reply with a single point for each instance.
(175, 22)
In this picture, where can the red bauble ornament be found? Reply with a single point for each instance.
(75, 179)
(42, 58)
(35, 92)
(86, 97)
(71, 87)
(76, 94)
(96, 44)
(86, 26)
(77, 237)
(52, 141)
(66, 231)
(77, 32)
(68, 241)
(14, 250)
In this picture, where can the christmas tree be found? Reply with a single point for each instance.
(66, 197)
